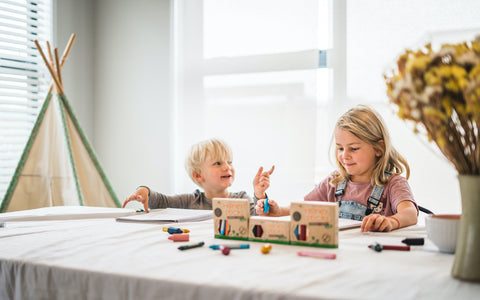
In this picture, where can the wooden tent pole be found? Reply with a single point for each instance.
(65, 54)
(50, 69)
(59, 68)
(50, 53)
(68, 48)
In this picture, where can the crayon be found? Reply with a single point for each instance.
(173, 230)
(377, 247)
(179, 237)
(266, 206)
(232, 246)
(317, 254)
(186, 247)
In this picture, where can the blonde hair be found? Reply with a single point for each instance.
(215, 148)
(367, 125)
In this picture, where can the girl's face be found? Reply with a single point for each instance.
(356, 156)
(216, 174)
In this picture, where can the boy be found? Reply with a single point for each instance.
(209, 165)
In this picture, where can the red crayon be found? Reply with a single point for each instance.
(179, 237)
(377, 247)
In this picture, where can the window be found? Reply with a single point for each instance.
(254, 80)
(374, 40)
(22, 84)
(248, 72)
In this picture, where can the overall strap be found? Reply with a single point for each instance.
(374, 199)
(340, 188)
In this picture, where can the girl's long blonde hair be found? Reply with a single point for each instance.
(367, 125)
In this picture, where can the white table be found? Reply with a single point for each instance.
(105, 259)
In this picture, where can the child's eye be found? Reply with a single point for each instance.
(339, 149)
(217, 163)
(355, 149)
(230, 162)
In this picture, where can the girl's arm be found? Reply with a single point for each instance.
(406, 215)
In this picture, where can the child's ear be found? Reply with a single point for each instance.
(379, 153)
(197, 176)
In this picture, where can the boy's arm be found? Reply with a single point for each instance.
(193, 200)
(142, 194)
(261, 182)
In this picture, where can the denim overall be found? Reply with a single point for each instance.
(354, 210)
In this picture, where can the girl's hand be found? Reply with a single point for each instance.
(406, 215)
(261, 182)
(141, 195)
(376, 222)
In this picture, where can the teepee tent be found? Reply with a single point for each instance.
(58, 166)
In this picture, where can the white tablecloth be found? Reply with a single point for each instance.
(105, 259)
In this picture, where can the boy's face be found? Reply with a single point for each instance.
(216, 174)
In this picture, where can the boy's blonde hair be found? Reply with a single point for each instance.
(214, 147)
(367, 125)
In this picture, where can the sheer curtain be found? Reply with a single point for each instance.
(255, 79)
(378, 31)
(250, 72)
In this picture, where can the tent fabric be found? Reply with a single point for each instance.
(58, 165)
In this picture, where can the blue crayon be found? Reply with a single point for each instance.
(266, 206)
(234, 246)
(173, 230)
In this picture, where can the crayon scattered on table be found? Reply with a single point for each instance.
(173, 230)
(179, 237)
(231, 246)
(266, 248)
(225, 250)
(379, 248)
(414, 241)
(191, 246)
(317, 254)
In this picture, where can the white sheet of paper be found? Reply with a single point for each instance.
(170, 215)
(65, 213)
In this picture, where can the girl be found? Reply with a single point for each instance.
(367, 183)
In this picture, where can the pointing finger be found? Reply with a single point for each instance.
(259, 173)
(271, 170)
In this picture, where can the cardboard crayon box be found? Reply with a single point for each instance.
(270, 229)
(231, 218)
(314, 224)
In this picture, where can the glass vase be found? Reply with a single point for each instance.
(466, 265)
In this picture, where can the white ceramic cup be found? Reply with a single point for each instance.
(443, 231)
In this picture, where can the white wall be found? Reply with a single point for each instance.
(70, 16)
(117, 80)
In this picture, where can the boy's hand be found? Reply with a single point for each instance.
(376, 222)
(273, 211)
(140, 195)
(261, 182)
